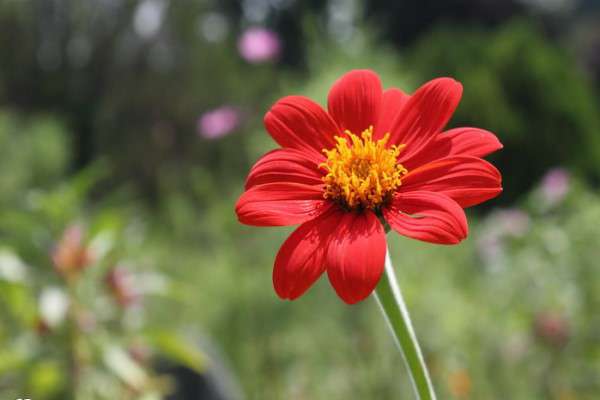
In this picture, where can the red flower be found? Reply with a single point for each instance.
(374, 157)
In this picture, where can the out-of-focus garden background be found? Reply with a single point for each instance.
(126, 131)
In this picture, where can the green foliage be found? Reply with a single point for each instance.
(72, 316)
(132, 99)
(523, 88)
(508, 313)
(34, 152)
(476, 307)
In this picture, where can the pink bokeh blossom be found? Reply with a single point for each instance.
(555, 186)
(218, 122)
(258, 45)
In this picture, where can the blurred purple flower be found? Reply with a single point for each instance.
(513, 222)
(500, 225)
(490, 247)
(258, 45)
(218, 122)
(555, 186)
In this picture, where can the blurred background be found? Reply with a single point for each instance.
(126, 132)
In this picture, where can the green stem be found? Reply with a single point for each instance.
(73, 337)
(394, 310)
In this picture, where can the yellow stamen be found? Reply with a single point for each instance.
(362, 173)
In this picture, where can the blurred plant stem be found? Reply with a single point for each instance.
(75, 363)
(394, 310)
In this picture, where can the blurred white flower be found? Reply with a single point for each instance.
(148, 17)
(258, 45)
(341, 20)
(218, 122)
(53, 306)
(12, 269)
(213, 27)
(255, 10)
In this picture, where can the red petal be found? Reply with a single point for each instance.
(279, 204)
(425, 114)
(301, 258)
(432, 217)
(391, 104)
(468, 180)
(298, 122)
(356, 256)
(457, 142)
(284, 165)
(355, 99)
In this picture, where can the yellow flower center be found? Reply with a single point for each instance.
(362, 173)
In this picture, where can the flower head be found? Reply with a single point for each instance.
(258, 45)
(362, 173)
(373, 157)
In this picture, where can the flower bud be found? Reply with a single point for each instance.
(459, 383)
(120, 282)
(552, 329)
(71, 255)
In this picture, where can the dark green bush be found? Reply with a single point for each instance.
(523, 88)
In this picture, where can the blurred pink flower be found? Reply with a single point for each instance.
(120, 282)
(258, 45)
(218, 122)
(71, 255)
(552, 328)
(555, 186)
